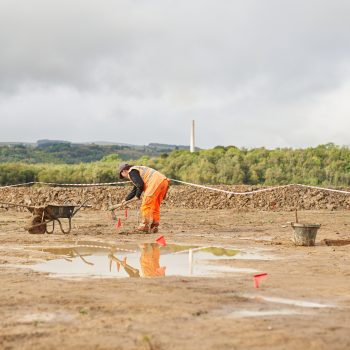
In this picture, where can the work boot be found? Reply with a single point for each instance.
(144, 227)
(154, 227)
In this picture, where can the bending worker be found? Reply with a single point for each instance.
(154, 187)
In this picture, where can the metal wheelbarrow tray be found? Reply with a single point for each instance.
(43, 215)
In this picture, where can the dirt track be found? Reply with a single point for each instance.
(41, 312)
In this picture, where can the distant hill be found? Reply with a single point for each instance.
(166, 147)
(324, 165)
(45, 143)
(17, 143)
(60, 151)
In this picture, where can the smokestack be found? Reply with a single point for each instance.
(192, 147)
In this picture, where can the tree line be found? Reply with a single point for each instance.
(327, 165)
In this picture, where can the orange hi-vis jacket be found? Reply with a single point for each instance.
(151, 178)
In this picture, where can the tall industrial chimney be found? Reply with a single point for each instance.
(192, 147)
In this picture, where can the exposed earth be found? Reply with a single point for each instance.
(312, 284)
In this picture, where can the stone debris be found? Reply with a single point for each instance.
(182, 196)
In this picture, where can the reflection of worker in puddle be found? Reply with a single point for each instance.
(149, 260)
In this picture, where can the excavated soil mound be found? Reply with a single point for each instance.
(180, 196)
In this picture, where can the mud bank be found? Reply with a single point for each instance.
(182, 196)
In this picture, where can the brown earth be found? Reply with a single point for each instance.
(42, 312)
(182, 196)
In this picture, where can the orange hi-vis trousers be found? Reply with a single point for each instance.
(150, 207)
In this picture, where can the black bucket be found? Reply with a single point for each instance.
(305, 234)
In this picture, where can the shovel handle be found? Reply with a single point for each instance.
(120, 205)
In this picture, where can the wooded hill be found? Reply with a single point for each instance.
(326, 165)
(62, 152)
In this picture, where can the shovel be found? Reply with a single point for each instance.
(123, 204)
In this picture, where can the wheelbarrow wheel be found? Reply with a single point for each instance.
(36, 226)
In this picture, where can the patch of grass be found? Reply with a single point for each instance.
(83, 311)
(151, 345)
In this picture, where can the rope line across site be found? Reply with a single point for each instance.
(67, 185)
(103, 247)
(262, 189)
(180, 182)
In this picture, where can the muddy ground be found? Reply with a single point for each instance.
(38, 311)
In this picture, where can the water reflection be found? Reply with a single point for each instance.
(146, 260)
(149, 260)
(131, 271)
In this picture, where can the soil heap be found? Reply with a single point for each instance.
(183, 196)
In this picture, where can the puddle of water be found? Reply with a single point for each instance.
(261, 313)
(253, 256)
(46, 317)
(143, 260)
(264, 311)
(293, 302)
(262, 238)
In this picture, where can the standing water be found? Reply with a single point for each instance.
(93, 259)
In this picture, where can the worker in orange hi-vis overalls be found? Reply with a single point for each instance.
(154, 187)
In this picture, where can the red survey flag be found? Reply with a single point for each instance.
(118, 224)
(161, 241)
(257, 278)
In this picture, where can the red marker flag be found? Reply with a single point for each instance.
(161, 241)
(118, 224)
(257, 279)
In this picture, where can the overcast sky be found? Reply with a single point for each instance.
(252, 73)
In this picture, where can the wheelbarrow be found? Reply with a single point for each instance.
(43, 215)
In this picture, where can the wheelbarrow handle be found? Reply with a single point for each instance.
(82, 205)
(18, 205)
(122, 204)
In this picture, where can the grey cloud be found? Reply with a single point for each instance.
(198, 42)
(246, 70)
